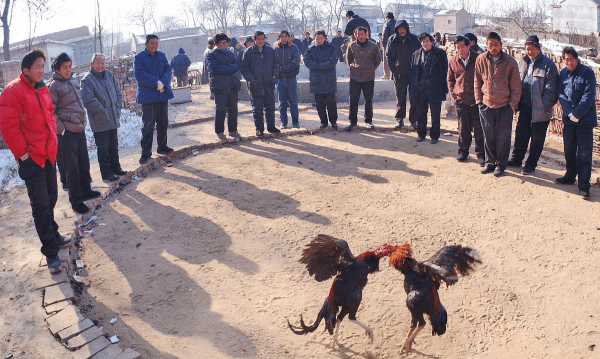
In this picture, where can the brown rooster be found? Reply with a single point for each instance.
(326, 257)
(422, 281)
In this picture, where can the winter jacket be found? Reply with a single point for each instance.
(497, 84)
(298, 43)
(390, 29)
(288, 58)
(461, 79)
(577, 95)
(438, 70)
(223, 65)
(69, 112)
(321, 61)
(148, 70)
(260, 69)
(363, 61)
(544, 89)
(337, 43)
(180, 63)
(399, 50)
(204, 77)
(306, 43)
(27, 122)
(102, 99)
(355, 22)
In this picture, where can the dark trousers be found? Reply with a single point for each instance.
(42, 191)
(77, 165)
(264, 106)
(368, 89)
(401, 86)
(226, 103)
(182, 81)
(326, 104)
(288, 97)
(422, 103)
(497, 127)
(524, 131)
(156, 113)
(107, 145)
(468, 120)
(59, 162)
(578, 143)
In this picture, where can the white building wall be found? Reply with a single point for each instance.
(576, 16)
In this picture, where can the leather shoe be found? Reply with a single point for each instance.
(527, 170)
(565, 180)
(400, 123)
(499, 171)
(144, 159)
(63, 242)
(113, 177)
(434, 141)
(120, 172)
(350, 127)
(488, 169)
(165, 151)
(420, 139)
(273, 130)
(259, 133)
(91, 195)
(461, 157)
(514, 163)
(585, 194)
(334, 126)
(81, 208)
(481, 161)
(323, 125)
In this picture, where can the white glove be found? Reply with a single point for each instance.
(573, 118)
(159, 86)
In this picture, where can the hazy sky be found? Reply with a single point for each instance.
(74, 13)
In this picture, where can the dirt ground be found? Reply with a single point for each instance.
(200, 260)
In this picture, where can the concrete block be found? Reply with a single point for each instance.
(84, 338)
(64, 319)
(75, 329)
(89, 350)
(110, 352)
(181, 95)
(57, 307)
(46, 279)
(129, 354)
(58, 293)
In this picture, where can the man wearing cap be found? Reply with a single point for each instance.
(398, 53)
(225, 84)
(390, 28)
(363, 57)
(180, 64)
(539, 77)
(337, 43)
(260, 69)
(355, 21)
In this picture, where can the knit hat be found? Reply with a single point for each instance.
(533, 40)
(248, 39)
(221, 37)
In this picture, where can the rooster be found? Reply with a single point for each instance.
(422, 281)
(326, 257)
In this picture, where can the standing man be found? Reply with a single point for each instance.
(306, 41)
(337, 43)
(390, 28)
(398, 53)
(180, 64)
(461, 76)
(355, 21)
(577, 96)
(539, 77)
(260, 68)
(102, 99)
(320, 58)
(298, 43)
(473, 43)
(363, 57)
(29, 130)
(288, 59)
(70, 124)
(225, 84)
(497, 92)
(428, 86)
(153, 76)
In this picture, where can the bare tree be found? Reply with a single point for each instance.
(6, 18)
(243, 11)
(259, 10)
(336, 9)
(191, 13)
(36, 10)
(282, 12)
(168, 23)
(217, 13)
(143, 15)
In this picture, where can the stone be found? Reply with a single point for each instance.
(64, 255)
(110, 352)
(46, 279)
(58, 293)
(129, 354)
(57, 307)
(64, 319)
(75, 329)
(89, 350)
(84, 338)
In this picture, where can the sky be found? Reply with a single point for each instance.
(69, 14)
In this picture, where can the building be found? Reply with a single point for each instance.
(50, 47)
(192, 40)
(419, 17)
(576, 16)
(371, 13)
(452, 21)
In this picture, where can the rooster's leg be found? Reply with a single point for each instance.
(367, 329)
(405, 343)
(334, 336)
(410, 339)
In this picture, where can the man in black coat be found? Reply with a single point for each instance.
(225, 84)
(355, 21)
(288, 58)
(398, 53)
(337, 43)
(260, 68)
(306, 42)
(390, 28)
(428, 86)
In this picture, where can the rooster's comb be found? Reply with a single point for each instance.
(399, 253)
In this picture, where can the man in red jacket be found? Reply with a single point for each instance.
(28, 127)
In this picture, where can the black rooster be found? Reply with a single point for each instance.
(422, 281)
(326, 257)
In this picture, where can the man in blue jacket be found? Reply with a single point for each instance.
(260, 68)
(153, 75)
(577, 97)
(180, 64)
(288, 58)
(390, 29)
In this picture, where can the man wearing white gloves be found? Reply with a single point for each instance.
(153, 75)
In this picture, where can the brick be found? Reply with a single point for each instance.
(64, 319)
(56, 307)
(87, 351)
(46, 279)
(58, 293)
(84, 338)
(75, 329)
(129, 354)
(110, 352)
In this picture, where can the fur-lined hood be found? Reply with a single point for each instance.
(278, 43)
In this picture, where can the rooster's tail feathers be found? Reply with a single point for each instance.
(438, 321)
(325, 313)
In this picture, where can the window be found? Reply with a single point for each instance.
(449, 21)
